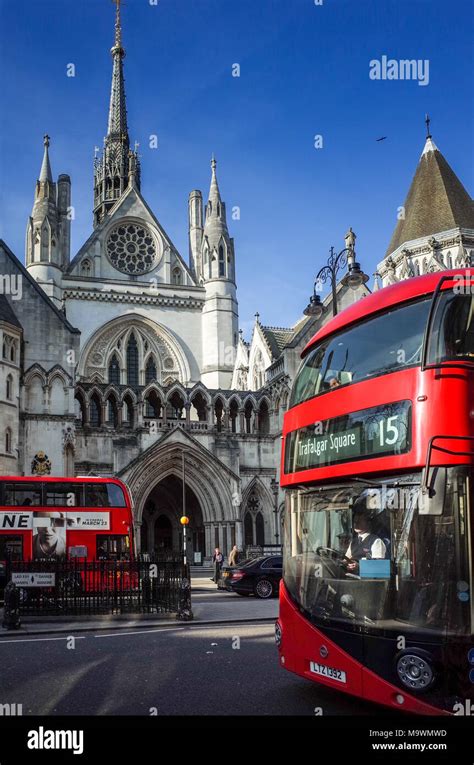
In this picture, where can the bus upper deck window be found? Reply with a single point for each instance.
(96, 495)
(63, 494)
(104, 495)
(452, 332)
(116, 495)
(22, 494)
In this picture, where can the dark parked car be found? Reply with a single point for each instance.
(226, 574)
(259, 577)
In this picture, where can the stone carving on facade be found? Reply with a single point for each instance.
(41, 464)
(69, 437)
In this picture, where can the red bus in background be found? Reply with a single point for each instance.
(378, 464)
(46, 518)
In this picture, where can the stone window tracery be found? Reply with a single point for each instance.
(114, 371)
(131, 248)
(150, 371)
(132, 361)
(221, 261)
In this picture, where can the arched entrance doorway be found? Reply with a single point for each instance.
(163, 533)
(161, 529)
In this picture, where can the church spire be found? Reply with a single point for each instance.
(214, 193)
(119, 166)
(215, 208)
(45, 173)
(217, 246)
(117, 125)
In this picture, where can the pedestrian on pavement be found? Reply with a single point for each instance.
(217, 561)
(234, 556)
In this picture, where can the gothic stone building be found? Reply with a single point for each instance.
(127, 360)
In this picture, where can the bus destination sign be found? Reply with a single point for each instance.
(375, 432)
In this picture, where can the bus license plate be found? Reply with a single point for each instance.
(330, 672)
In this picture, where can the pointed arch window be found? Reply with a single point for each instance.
(128, 418)
(80, 408)
(153, 405)
(132, 361)
(248, 529)
(9, 388)
(114, 371)
(233, 415)
(263, 419)
(95, 411)
(259, 530)
(8, 441)
(112, 412)
(248, 414)
(86, 269)
(150, 370)
(219, 414)
(221, 261)
(13, 351)
(177, 276)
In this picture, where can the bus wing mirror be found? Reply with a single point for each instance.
(431, 497)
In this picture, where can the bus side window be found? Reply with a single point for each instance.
(116, 495)
(22, 494)
(63, 494)
(96, 495)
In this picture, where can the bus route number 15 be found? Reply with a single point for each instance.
(388, 431)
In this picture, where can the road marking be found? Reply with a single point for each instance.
(43, 640)
(141, 632)
(196, 626)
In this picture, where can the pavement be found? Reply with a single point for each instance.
(210, 606)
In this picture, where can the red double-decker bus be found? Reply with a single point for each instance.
(378, 464)
(64, 518)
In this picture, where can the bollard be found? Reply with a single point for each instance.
(185, 612)
(11, 610)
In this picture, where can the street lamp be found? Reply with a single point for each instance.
(184, 520)
(275, 489)
(353, 278)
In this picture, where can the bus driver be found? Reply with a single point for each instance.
(364, 543)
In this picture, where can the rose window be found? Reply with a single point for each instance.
(131, 248)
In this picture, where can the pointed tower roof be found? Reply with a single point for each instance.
(117, 124)
(437, 200)
(45, 172)
(119, 166)
(214, 193)
(215, 224)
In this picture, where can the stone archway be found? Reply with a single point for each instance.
(212, 484)
(161, 519)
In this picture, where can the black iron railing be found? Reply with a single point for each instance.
(79, 587)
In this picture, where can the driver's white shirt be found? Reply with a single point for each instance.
(377, 550)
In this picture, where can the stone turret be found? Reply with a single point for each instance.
(48, 232)
(217, 274)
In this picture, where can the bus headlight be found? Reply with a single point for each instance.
(278, 634)
(415, 669)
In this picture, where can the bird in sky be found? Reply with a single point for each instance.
(381, 139)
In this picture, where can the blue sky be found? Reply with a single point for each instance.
(304, 70)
